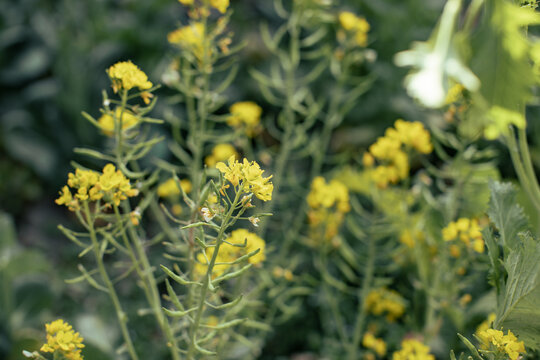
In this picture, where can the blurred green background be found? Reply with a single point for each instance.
(53, 56)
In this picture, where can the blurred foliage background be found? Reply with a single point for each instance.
(53, 56)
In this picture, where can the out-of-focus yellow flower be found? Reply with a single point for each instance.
(190, 37)
(501, 343)
(186, 2)
(387, 301)
(245, 114)
(220, 152)
(126, 75)
(369, 341)
(392, 149)
(126, 118)
(356, 25)
(220, 5)
(169, 188)
(412, 349)
(328, 205)
(62, 339)
(468, 231)
(229, 253)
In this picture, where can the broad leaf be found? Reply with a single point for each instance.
(519, 309)
(501, 60)
(505, 212)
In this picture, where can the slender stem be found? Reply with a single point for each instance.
(121, 315)
(364, 291)
(204, 288)
(150, 284)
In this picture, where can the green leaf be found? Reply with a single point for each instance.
(500, 53)
(519, 309)
(507, 215)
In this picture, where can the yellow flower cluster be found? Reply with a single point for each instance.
(62, 338)
(508, 343)
(126, 75)
(111, 186)
(229, 253)
(328, 205)
(468, 231)
(391, 149)
(369, 341)
(412, 349)
(169, 188)
(246, 115)
(410, 237)
(387, 301)
(249, 176)
(128, 120)
(220, 152)
(190, 37)
(356, 25)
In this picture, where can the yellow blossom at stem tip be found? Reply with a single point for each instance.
(126, 75)
(62, 339)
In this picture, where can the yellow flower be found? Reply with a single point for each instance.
(114, 186)
(352, 23)
(468, 231)
(169, 188)
(254, 182)
(387, 301)
(246, 114)
(232, 172)
(106, 121)
(508, 343)
(220, 152)
(220, 5)
(126, 75)
(190, 37)
(111, 186)
(369, 341)
(250, 174)
(62, 339)
(186, 2)
(229, 253)
(412, 349)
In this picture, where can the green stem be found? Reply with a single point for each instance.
(149, 282)
(361, 311)
(204, 288)
(526, 182)
(121, 315)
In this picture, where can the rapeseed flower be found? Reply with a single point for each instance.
(62, 339)
(169, 188)
(392, 152)
(468, 231)
(246, 115)
(328, 202)
(190, 37)
(126, 75)
(125, 117)
(501, 343)
(412, 349)
(358, 26)
(229, 253)
(369, 341)
(111, 186)
(382, 300)
(249, 176)
(220, 152)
